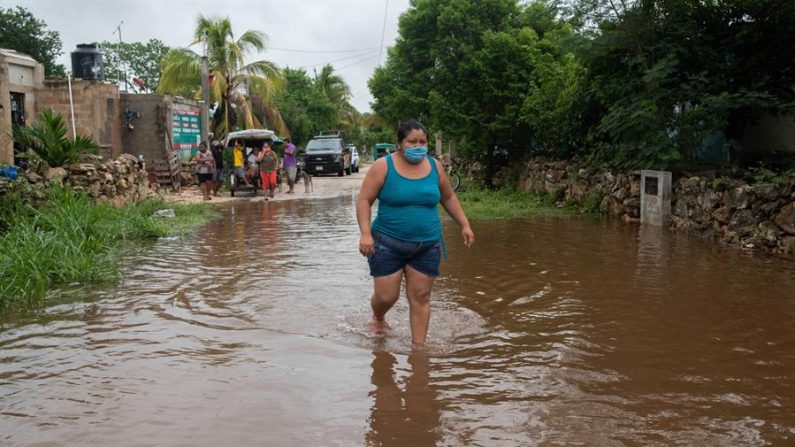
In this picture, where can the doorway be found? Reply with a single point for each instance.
(17, 109)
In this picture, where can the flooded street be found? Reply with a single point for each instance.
(547, 332)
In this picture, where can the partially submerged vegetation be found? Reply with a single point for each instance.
(510, 204)
(68, 239)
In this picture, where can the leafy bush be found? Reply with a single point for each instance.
(48, 140)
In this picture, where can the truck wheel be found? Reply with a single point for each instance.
(341, 173)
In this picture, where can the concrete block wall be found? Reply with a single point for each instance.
(152, 135)
(97, 111)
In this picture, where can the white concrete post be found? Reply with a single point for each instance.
(655, 197)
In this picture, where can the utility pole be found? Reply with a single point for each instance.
(206, 98)
(118, 53)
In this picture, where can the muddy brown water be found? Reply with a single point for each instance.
(547, 332)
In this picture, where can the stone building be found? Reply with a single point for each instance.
(157, 126)
(21, 79)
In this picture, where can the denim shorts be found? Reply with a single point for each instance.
(391, 255)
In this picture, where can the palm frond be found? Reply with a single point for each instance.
(181, 72)
(252, 40)
(265, 88)
(47, 139)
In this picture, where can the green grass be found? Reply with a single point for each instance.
(482, 204)
(68, 239)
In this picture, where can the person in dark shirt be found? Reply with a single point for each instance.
(218, 176)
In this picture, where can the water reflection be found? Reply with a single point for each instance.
(407, 417)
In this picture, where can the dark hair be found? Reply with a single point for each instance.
(406, 127)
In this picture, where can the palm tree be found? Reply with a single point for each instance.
(234, 82)
(338, 93)
(48, 141)
(332, 85)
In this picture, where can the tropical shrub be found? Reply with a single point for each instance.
(48, 141)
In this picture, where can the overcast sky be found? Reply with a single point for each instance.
(300, 33)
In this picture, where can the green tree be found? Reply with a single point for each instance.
(21, 31)
(338, 94)
(134, 60)
(666, 77)
(48, 140)
(233, 81)
(465, 68)
(332, 85)
(305, 108)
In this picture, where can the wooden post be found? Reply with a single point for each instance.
(438, 143)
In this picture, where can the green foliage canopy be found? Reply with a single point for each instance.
(643, 83)
(21, 31)
(127, 60)
(305, 108)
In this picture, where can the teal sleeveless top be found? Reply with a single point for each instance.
(407, 207)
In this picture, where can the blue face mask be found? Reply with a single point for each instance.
(416, 154)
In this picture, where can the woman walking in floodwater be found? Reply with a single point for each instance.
(405, 239)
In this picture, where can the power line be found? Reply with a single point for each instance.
(323, 51)
(340, 59)
(355, 63)
(383, 30)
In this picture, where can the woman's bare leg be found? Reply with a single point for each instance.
(386, 291)
(418, 291)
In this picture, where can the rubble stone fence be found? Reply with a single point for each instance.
(736, 211)
(117, 182)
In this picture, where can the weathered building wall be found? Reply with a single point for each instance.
(153, 134)
(97, 108)
(732, 210)
(19, 73)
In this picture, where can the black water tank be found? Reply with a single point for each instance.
(87, 62)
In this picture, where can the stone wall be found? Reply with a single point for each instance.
(733, 210)
(117, 182)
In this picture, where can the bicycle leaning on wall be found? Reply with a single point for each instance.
(451, 169)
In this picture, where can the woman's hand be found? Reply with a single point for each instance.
(469, 236)
(366, 244)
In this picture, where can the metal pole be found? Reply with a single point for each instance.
(118, 53)
(71, 104)
(205, 98)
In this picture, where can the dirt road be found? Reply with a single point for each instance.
(324, 187)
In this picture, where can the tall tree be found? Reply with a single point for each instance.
(233, 82)
(448, 69)
(21, 31)
(125, 61)
(338, 93)
(668, 78)
(305, 108)
(332, 85)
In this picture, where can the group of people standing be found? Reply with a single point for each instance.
(261, 165)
